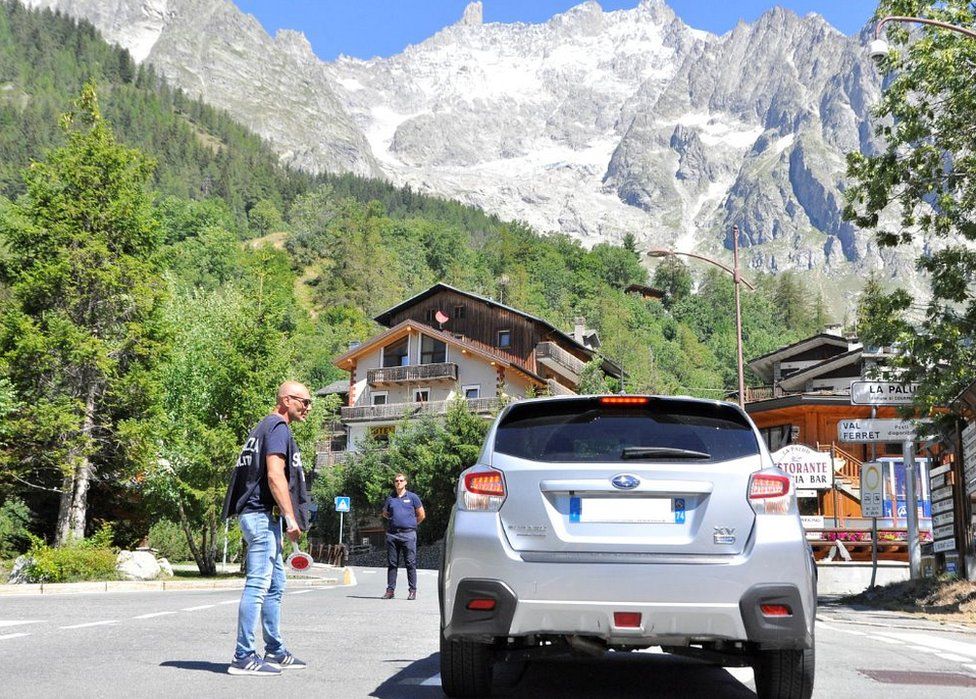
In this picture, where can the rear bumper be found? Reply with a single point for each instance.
(678, 603)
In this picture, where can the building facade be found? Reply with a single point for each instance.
(444, 343)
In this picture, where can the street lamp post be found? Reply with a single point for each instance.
(878, 49)
(736, 279)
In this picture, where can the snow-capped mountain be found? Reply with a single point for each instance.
(593, 123)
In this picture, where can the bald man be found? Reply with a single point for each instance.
(267, 494)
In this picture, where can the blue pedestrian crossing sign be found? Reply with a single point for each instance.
(342, 503)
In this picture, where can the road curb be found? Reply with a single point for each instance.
(941, 625)
(338, 576)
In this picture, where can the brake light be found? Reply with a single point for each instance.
(624, 400)
(626, 620)
(482, 490)
(771, 493)
(481, 604)
(775, 610)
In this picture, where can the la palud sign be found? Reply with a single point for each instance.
(808, 468)
(882, 393)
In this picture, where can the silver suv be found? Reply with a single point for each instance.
(616, 523)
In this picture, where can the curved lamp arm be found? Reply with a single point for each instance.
(668, 253)
(921, 20)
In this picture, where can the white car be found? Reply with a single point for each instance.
(593, 524)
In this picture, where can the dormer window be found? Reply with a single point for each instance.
(504, 339)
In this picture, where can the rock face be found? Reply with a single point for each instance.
(594, 123)
(274, 86)
(137, 565)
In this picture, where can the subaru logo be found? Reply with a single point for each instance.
(625, 481)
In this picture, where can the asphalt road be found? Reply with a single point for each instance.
(149, 644)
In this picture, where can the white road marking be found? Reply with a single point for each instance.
(892, 641)
(13, 635)
(202, 606)
(301, 592)
(20, 623)
(230, 601)
(954, 658)
(91, 623)
(839, 630)
(153, 614)
(971, 667)
(932, 643)
(367, 572)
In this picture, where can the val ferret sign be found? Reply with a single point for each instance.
(808, 468)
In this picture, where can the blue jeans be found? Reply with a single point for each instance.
(264, 586)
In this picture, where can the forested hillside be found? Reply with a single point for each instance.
(248, 273)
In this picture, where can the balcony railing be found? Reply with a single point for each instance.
(559, 360)
(398, 411)
(557, 389)
(754, 393)
(442, 371)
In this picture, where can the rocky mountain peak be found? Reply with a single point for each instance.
(473, 15)
(595, 124)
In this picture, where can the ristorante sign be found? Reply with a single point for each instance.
(808, 468)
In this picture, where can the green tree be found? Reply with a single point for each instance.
(431, 452)
(673, 278)
(592, 379)
(922, 183)
(83, 335)
(228, 359)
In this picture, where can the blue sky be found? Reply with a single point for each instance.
(366, 28)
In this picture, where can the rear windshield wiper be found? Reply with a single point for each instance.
(662, 453)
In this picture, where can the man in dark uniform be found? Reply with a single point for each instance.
(404, 511)
(267, 494)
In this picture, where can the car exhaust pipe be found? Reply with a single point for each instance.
(584, 645)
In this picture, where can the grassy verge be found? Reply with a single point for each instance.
(935, 597)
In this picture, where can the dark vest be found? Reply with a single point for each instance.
(249, 490)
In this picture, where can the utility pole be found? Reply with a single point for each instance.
(911, 504)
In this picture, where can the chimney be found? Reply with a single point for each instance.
(579, 329)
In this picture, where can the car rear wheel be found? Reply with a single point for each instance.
(466, 668)
(784, 674)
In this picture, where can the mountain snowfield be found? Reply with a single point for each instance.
(593, 124)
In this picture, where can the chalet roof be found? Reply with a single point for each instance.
(386, 316)
(340, 386)
(646, 291)
(965, 402)
(764, 365)
(795, 382)
(406, 326)
(759, 406)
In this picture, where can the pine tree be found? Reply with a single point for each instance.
(82, 334)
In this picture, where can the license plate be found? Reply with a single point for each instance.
(627, 510)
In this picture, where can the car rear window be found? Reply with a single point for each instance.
(589, 430)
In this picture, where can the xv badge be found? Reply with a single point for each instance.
(724, 535)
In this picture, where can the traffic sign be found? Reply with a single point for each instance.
(342, 503)
(857, 431)
(944, 545)
(872, 490)
(882, 393)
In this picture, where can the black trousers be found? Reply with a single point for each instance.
(404, 542)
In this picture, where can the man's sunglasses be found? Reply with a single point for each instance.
(304, 401)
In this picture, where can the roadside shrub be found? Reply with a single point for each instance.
(77, 561)
(14, 537)
(168, 538)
